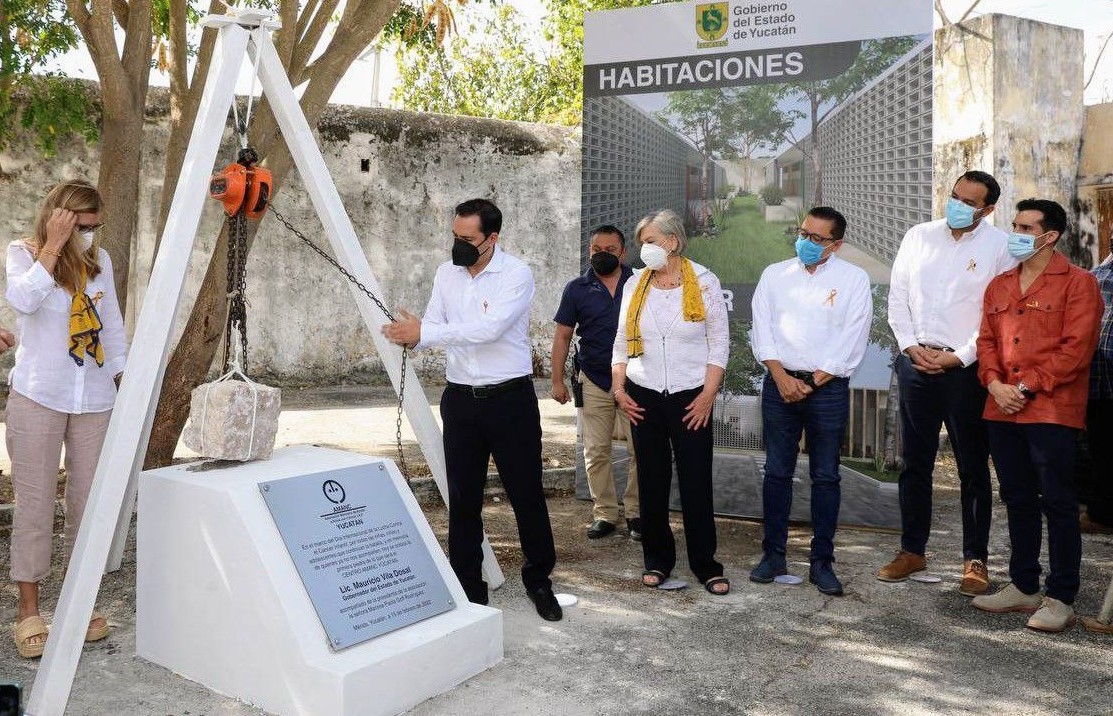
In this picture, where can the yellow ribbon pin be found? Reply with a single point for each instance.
(972, 265)
(831, 297)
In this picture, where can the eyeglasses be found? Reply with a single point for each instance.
(815, 238)
(82, 228)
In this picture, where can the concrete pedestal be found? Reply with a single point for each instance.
(220, 602)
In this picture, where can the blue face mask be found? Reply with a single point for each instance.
(1023, 246)
(959, 215)
(808, 252)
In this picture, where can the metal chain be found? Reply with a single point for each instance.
(236, 288)
(382, 307)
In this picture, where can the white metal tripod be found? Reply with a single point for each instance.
(107, 518)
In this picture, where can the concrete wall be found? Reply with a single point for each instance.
(303, 324)
(1095, 183)
(1008, 97)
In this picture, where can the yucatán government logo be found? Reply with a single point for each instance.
(712, 20)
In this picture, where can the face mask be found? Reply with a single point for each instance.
(1023, 246)
(86, 239)
(808, 252)
(959, 215)
(604, 263)
(654, 257)
(464, 253)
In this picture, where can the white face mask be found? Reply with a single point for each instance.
(654, 257)
(86, 239)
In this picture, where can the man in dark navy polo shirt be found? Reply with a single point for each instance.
(590, 306)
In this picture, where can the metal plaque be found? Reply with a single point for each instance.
(358, 552)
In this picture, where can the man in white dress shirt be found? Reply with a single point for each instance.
(935, 310)
(479, 313)
(811, 324)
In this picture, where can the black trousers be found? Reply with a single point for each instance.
(508, 427)
(954, 398)
(660, 434)
(1034, 464)
(1096, 484)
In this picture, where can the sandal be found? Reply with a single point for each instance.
(27, 630)
(96, 633)
(710, 585)
(653, 578)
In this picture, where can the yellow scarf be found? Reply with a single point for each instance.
(692, 304)
(85, 327)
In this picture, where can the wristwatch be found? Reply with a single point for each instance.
(1025, 390)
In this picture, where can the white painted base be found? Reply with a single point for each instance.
(219, 601)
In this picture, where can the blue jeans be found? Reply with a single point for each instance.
(954, 398)
(822, 415)
(1035, 464)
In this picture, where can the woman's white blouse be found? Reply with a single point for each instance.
(676, 352)
(44, 370)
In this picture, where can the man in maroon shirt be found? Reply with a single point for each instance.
(1039, 329)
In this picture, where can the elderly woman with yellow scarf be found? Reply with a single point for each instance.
(670, 353)
(71, 354)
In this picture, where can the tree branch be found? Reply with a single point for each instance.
(179, 55)
(80, 14)
(287, 36)
(304, 17)
(307, 42)
(120, 10)
(1097, 60)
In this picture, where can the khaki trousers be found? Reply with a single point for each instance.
(35, 435)
(599, 414)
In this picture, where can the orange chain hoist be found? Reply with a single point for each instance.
(243, 186)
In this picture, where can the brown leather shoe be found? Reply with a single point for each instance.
(975, 578)
(905, 564)
(1087, 525)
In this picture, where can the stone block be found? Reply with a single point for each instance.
(233, 420)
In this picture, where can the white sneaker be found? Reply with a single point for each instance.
(1052, 616)
(1008, 599)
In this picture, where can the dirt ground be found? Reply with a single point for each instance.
(623, 650)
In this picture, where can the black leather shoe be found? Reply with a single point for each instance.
(599, 528)
(546, 603)
(634, 527)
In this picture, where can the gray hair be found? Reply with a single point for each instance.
(669, 223)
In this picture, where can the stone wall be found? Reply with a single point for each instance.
(399, 175)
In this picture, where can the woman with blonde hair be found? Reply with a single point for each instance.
(71, 354)
(670, 354)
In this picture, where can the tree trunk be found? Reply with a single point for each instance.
(121, 145)
(703, 182)
(893, 459)
(817, 154)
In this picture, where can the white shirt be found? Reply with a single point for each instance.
(813, 321)
(676, 352)
(44, 370)
(481, 321)
(937, 285)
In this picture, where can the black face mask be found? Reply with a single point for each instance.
(604, 263)
(464, 253)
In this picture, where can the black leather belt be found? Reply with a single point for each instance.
(486, 391)
(945, 349)
(807, 376)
